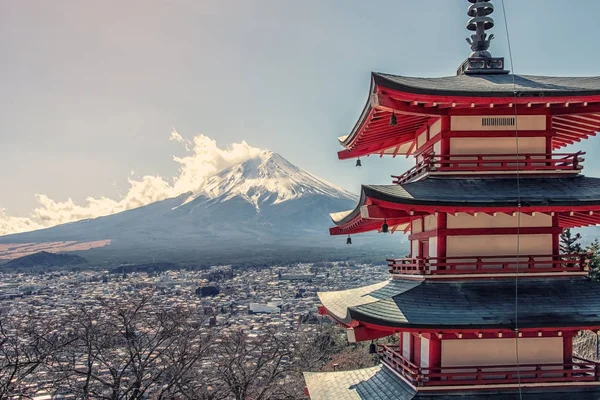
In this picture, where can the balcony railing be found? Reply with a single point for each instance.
(493, 163)
(579, 370)
(525, 264)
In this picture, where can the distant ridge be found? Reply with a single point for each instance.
(44, 259)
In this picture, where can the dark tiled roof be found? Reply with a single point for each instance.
(492, 85)
(552, 191)
(551, 302)
(377, 383)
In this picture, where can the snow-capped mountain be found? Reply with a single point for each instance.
(268, 179)
(259, 205)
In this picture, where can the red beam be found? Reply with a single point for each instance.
(381, 101)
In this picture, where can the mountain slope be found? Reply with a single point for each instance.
(44, 259)
(255, 207)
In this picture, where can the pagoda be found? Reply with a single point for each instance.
(485, 306)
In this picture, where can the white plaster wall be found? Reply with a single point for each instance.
(433, 243)
(430, 223)
(501, 220)
(422, 139)
(498, 245)
(474, 123)
(435, 128)
(437, 147)
(406, 345)
(417, 226)
(414, 245)
(505, 145)
(424, 352)
(475, 352)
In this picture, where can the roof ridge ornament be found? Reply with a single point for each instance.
(480, 61)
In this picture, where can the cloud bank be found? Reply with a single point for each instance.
(202, 160)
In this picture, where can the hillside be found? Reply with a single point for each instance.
(44, 259)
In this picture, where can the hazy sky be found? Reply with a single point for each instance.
(90, 91)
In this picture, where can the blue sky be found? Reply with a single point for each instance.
(92, 90)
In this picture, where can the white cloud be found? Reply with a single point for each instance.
(203, 159)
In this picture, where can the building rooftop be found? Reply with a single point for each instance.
(480, 192)
(378, 383)
(500, 85)
(469, 304)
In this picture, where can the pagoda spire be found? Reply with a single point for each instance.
(480, 22)
(480, 61)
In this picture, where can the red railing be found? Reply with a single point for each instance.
(580, 370)
(493, 163)
(525, 264)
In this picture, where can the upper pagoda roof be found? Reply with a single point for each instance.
(398, 203)
(492, 85)
(572, 103)
(469, 304)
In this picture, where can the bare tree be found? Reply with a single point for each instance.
(26, 344)
(255, 367)
(134, 349)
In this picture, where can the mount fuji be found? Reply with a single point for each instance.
(259, 209)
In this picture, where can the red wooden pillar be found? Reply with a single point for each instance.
(435, 353)
(442, 225)
(444, 139)
(416, 349)
(568, 347)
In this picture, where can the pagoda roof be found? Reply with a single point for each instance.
(375, 383)
(469, 304)
(378, 383)
(466, 193)
(495, 85)
(573, 103)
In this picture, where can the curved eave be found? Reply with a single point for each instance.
(573, 103)
(551, 193)
(575, 199)
(365, 218)
(472, 87)
(397, 304)
(372, 133)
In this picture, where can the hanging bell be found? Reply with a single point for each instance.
(393, 121)
(358, 163)
(384, 227)
(349, 240)
(372, 348)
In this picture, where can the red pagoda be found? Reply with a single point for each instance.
(486, 306)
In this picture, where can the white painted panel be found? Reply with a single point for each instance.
(435, 128)
(498, 245)
(433, 243)
(481, 352)
(417, 226)
(424, 352)
(406, 345)
(437, 147)
(501, 220)
(474, 123)
(422, 139)
(414, 245)
(430, 223)
(504, 145)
